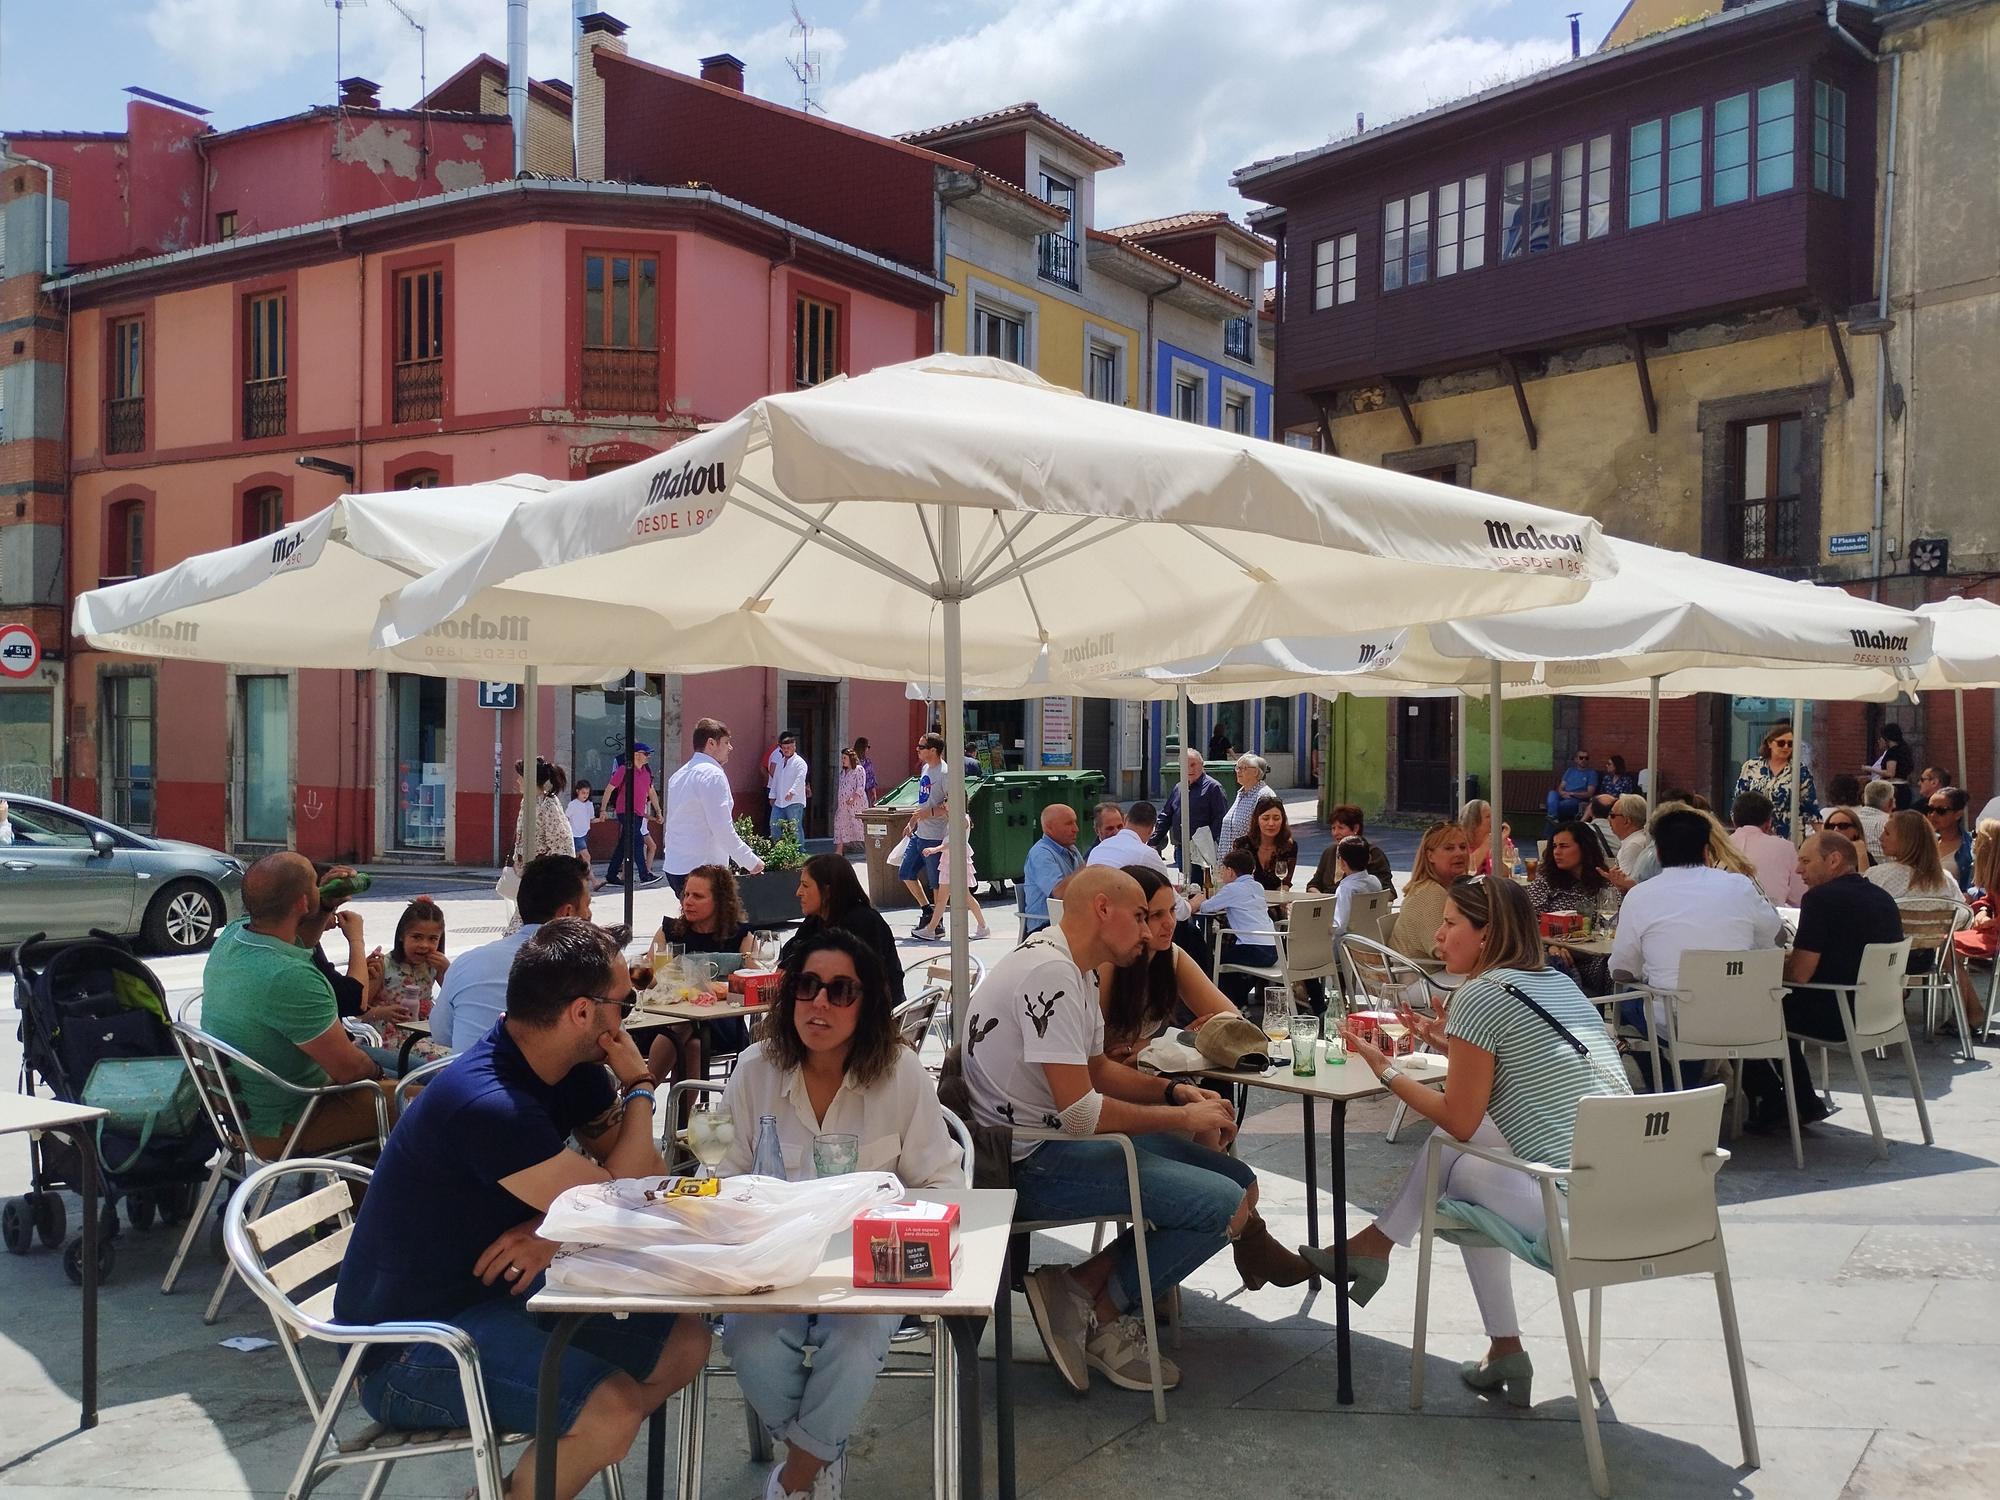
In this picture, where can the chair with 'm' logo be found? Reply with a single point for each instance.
(1641, 1189)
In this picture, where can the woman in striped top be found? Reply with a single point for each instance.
(1524, 1046)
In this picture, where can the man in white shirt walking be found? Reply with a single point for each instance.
(701, 811)
(1690, 904)
(787, 788)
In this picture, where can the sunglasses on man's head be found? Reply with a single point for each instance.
(841, 990)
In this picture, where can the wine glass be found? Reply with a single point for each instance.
(710, 1134)
(767, 948)
(1277, 1013)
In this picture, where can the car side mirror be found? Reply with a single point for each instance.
(101, 842)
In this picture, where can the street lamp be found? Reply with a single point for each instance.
(326, 466)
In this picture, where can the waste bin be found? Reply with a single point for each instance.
(883, 826)
(1223, 771)
(1007, 815)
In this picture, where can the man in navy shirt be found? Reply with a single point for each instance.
(447, 1234)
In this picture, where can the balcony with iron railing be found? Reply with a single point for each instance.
(125, 425)
(264, 408)
(1055, 259)
(418, 390)
(621, 379)
(1239, 340)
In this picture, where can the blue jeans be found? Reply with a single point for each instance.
(615, 871)
(811, 1407)
(419, 1388)
(794, 815)
(916, 862)
(1190, 1194)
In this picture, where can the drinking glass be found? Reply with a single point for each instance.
(767, 949)
(710, 1134)
(836, 1155)
(1305, 1033)
(1277, 1015)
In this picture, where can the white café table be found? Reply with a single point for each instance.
(979, 1282)
(25, 1112)
(1339, 1084)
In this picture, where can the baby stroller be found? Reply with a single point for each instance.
(81, 1003)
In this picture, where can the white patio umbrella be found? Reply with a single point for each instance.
(961, 515)
(308, 596)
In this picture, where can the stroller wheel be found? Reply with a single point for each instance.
(107, 1256)
(51, 1219)
(140, 1209)
(17, 1225)
(176, 1203)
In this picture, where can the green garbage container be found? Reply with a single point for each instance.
(883, 827)
(1223, 771)
(1007, 817)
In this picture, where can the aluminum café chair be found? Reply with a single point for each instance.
(1374, 976)
(290, 1257)
(1931, 924)
(1641, 1207)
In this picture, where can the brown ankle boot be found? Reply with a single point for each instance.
(1260, 1259)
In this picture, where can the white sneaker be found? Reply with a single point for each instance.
(1118, 1349)
(827, 1482)
(774, 1487)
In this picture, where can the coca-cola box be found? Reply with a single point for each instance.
(755, 986)
(906, 1245)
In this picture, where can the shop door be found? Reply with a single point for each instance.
(809, 714)
(417, 720)
(128, 751)
(1423, 755)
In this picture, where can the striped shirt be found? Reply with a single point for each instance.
(1537, 1076)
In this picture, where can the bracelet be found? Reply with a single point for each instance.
(1172, 1084)
(642, 1092)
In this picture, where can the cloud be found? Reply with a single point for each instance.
(1189, 90)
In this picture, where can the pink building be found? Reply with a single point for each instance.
(424, 318)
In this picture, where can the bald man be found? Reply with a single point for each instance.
(1034, 1061)
(1051, 862)
(262, 995)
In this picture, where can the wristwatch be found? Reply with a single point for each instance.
(1172, 1084)
(1390, 1073)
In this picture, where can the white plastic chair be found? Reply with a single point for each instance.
(1134, 1215)
(294, 1275)
(1371, 915)
(1931, 924)
(1641, 1208)
(1730, 1005)
(1304, 942)
(212, 1064)
(939, 1369)
(1871, 1015)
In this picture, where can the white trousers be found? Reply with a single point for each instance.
(1513, 1195)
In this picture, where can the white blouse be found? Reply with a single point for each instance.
(899, 1121)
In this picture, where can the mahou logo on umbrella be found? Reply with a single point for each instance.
(1531, 549)
(666, 511)
(1879, 648)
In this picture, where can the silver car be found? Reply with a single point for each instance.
(64, 873)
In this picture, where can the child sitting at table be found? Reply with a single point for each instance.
(1251, 937)
(1355, 880)
(411, 971)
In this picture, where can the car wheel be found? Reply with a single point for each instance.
(183, 918)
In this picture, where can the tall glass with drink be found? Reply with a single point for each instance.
(710, 1134)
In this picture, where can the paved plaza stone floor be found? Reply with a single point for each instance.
(1869, 1293)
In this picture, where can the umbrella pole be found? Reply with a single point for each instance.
(1493, 762)
(627, 814)
(1800, 709)
(954, 750)
(1181, 834)
(1964, 771)
(1652, 743)
(530, 787)
(1458, 727)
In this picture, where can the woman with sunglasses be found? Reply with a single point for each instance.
(828, 1062)
(1771, 770)
(1524, 1046)
(1910, 869)
(1846, 821)
(1945, 810)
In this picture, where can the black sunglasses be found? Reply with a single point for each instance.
(841, 990)
(626, 1003)
(1843, 827)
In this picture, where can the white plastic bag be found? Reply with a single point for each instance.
(671, 1235)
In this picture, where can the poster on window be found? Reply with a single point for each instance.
(1058, 734)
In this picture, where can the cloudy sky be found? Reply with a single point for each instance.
(1186, 89)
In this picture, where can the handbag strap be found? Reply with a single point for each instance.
(1534, 1005)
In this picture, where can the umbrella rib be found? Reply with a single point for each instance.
(1021, 564)
(1041, 629)
(1005, 544)
(1256, 573)
(937, 557)
(795, 518)
(1048, 553)
(785, 562)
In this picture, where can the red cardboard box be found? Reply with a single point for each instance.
(756, 986)
(906, 1245)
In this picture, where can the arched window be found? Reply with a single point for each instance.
(416, 479)
(263, 511)
(125, 539)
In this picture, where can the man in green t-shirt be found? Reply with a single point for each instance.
(262, 995)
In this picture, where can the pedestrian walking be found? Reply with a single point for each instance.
(851, 797)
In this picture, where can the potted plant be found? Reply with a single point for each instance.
(772, 898)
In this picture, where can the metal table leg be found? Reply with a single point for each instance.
(1337, 1171)
(86, 1155)
(548, 1398)
(1003, 1386)
(656, 1454)
(965, 1345)
(1312, 1179)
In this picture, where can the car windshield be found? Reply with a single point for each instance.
(46, 827)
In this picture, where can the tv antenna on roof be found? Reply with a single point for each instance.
(340, 9)
(805, 67)
(423, 69)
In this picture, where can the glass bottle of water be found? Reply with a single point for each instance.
(769, 1158)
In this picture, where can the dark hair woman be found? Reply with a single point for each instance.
(1524, 1047)
(830, 896)
(711, 921)
(1573, 878)
(828, 1063)
(1270, 842)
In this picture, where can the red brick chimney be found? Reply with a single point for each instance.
(360, 93)
(723, 68)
